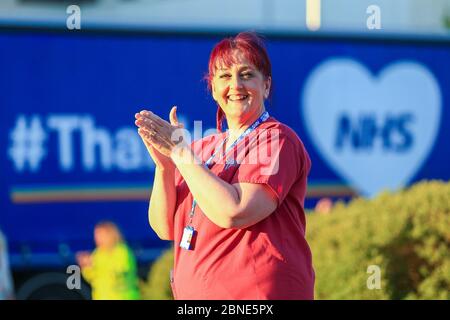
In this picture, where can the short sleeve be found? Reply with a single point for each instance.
(273, 159)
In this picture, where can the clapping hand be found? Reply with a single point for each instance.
(160, 135)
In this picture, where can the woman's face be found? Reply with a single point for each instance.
(240, 89)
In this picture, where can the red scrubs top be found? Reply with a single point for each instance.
(268, 260)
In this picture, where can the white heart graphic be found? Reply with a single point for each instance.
(375, 132)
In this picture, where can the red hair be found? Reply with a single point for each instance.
(251, 46)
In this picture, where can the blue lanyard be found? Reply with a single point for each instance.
(250, 129)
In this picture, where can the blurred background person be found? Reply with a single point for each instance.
(324, 205)
(6, 282)
(111, 268)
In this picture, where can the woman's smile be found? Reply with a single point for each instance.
(237, 97)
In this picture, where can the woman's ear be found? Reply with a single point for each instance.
(268, 83)
(213, 90)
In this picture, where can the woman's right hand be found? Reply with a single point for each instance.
(161, 160)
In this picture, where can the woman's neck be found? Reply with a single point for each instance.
(237, 127)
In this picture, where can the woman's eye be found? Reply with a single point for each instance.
(223, 76)
(247, 75)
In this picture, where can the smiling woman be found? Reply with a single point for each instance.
(239, 76)
(237, 220)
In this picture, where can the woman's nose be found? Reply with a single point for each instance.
(236, 82)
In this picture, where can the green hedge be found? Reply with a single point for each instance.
(406, 234)
(157, 286)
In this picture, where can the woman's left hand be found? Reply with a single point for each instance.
(162, 135)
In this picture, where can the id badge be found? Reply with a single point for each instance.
(188, 234)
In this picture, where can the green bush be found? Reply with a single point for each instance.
(406, 234)
(157, 286)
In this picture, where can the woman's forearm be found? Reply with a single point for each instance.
(218, 199)
(162, 203)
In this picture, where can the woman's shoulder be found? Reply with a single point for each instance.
(290, 144)
(282, 131)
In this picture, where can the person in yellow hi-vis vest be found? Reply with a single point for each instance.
(111, 268)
